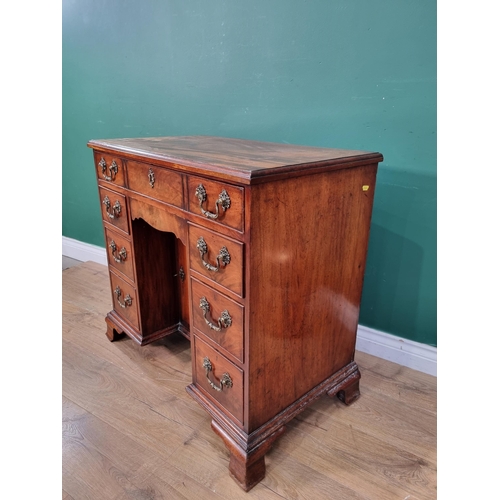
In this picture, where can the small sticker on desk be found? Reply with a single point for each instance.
(366, 188)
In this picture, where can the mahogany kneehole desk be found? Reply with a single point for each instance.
(255, 252)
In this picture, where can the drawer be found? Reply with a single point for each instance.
(216, 201)
(219, 318)
(109, 168)
(124, 300)
(216, 257)
(114, 209)
(159, 183)
(119, 250)
(220, 379)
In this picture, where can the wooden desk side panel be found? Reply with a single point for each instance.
(309, 239)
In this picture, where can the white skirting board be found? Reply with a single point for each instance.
(421, 357)
(83, 251)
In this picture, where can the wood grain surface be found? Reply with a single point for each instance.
(229, 158)
(309, 239)
(130, 430)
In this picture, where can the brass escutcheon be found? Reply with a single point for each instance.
(151, 177)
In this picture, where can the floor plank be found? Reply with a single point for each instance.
(130, 430)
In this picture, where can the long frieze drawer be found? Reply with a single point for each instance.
(119, 250)
(216, 201)
(124, 300)
(114, 209)
(219, 318)
(220, 379)
(216, 257)
(109, 168)
(159, 183)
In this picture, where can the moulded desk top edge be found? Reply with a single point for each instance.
(179, 152)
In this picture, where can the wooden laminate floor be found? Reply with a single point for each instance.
(130, 430)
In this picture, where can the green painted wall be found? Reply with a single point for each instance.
(336, 73)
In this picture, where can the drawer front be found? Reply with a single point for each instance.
(216, 257)
(124, 300)
(159, 183)
(114, 209)
(219, 318)
(109, 168)
(216, 201)
(119, 250)
(218, 378)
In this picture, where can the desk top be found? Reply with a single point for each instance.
(240, 160)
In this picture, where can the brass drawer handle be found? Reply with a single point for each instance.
(224, 381)
(122, 254)
(223, 200)
(116, 209)
(222, 259)
(127, 301)
(113, 170)
(224, 321)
